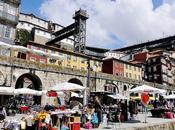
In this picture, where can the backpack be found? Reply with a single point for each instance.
(94, 118)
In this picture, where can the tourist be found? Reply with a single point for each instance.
(2, 113)
(98, 109)
(23, 123)
(29, 118)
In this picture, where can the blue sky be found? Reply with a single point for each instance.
(123, 23)
(27, 7)
(31, 6)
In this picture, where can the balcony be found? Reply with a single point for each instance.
(7, 18)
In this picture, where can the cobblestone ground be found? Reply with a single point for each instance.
(138, 122)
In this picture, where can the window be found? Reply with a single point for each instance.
(11, 9)
(149, 69)
(106, 88)
(154, 59)
(139, 69)
(75, 67)
(82, 68)
(130, 75)
(155, 76)
(127, 75)
(149, 61)
(1, 6)
(150, 77)
(7, 32)
(126, 66)
(139, 77)
(154, 68)
(135, 76)
(134, 68)
(124, 87)
(114, 89)
(130, 67)
(52, 61)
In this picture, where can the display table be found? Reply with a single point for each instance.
(160, 112)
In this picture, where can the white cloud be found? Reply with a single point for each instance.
(129, 20)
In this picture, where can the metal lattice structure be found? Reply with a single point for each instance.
(77, 29)
(80, 31)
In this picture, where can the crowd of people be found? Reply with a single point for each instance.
(91, 115)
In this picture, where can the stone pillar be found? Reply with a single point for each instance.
(85, 97)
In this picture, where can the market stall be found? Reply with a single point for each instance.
(73, 118)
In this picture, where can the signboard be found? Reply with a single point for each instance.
(145, 99)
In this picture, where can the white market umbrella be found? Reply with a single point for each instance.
(171, 96)
(146, 88)
(67, 87)
(6, 91)
(27, 91)
(118, 96)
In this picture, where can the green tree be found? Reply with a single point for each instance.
(23, 36)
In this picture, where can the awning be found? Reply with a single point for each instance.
(67, 87)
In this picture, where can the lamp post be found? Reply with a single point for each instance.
(88, 82)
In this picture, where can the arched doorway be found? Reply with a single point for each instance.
(31, 81)
(75, 81)
(109, 89)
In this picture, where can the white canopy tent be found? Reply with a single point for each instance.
(27, 91)
(7, 91)
(146, 88)
(171, 96)
(67, 87)
(118, 96)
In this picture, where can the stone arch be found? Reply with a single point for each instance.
(31, 81)
(34, 81)
(112, 85)
(76, 81)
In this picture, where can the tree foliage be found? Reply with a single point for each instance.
(23, 36)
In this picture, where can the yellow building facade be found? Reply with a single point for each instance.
(132, 71)
(67, 59)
